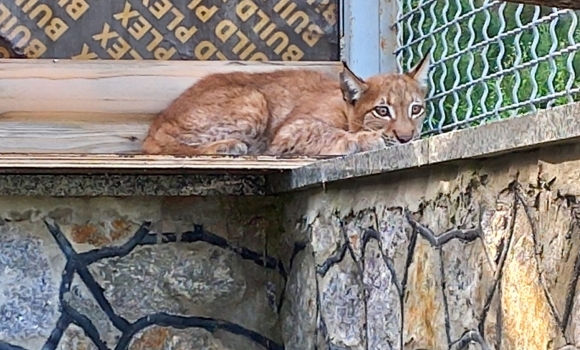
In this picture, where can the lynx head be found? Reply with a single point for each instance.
(394, 102)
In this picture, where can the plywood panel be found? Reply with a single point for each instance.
(65, 163)
(202, 30)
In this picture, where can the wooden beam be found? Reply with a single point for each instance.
(68, 132)
(562, 4)
(112, 163)
(102, 106)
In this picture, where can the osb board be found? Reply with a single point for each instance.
(170, 29)
(100, 106)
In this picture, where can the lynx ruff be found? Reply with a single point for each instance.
(292, 112)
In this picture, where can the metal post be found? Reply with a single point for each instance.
(388, 11)
(369, 35)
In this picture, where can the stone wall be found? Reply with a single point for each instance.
(140, 273)
(454, 242)
(470, 254)
(485, 253)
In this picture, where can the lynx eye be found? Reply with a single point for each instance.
(382, 111)
(416, 109)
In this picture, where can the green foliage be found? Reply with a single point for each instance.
(473, 85)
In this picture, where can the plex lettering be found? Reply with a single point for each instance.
(139, 27)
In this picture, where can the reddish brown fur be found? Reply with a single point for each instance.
(293, 111)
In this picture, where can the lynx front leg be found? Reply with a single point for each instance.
(349, 143)
(370, 140)
(311, 137)
(225, 147)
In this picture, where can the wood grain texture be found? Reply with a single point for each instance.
(75, 163)
(118, 87)
(562, 4)
(102, 106)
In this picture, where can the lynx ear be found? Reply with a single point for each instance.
(352, 86)
(421, 71)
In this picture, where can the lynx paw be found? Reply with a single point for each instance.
(375, 144)
(370, 141)
(236, 149)
(352, 146)
(228, 147)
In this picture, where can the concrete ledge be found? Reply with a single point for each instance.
(562, 4)
(407, 156)
(550, 126)
(532, 130)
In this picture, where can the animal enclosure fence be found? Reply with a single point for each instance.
(491, 59)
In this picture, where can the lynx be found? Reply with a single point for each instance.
(291, 112)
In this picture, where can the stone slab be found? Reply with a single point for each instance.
(563, 4)
(534, 130)
(529, 131)
(362, 164)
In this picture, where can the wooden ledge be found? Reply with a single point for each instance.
(144, 164)
(99, 107)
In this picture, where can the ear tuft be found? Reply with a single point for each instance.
(351, 85)
(420, 72)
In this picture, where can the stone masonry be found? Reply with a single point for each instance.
(478, 255)
(443, 252)
(139, 273)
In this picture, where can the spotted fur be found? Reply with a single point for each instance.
(292, 111)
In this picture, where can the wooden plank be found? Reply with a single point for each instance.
(76, 133)
(562, 4)
(103, 106)
(58, 163)
(117, 87)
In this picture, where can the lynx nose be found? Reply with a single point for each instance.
(404, 138)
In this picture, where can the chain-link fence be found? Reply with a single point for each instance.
(491, 59)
